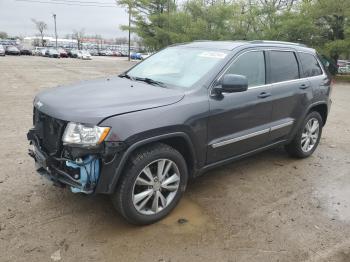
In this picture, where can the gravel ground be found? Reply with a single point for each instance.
(264, 208)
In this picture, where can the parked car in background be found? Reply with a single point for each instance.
(62, 53)
(12, 50)
(25, 51)
(43, 51)
(136, 56)
(83, 54)
(2, 50)
(145, 55)
(37, 51)
(73, 53)
(116, 53)
(93, 52)
(186, 109)
(343, 66)
(124, 53)
(102, 52)
(52, 52)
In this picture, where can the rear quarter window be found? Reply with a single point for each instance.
(283, 66)
(310, 65)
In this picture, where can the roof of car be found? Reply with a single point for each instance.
(223, 45)
(230, 45)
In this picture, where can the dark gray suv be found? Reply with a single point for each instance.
(142, 135)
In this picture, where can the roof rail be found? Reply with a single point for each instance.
(275, 42)
(228, 40)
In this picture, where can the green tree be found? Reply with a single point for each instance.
(322, 24)
(332, 17)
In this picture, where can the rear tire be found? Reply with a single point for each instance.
(145, 194)
(307, 137)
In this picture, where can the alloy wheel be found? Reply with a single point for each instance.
(156, 186)
(310, 135)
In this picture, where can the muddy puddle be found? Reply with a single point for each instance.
(187, 218)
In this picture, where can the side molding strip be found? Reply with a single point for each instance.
(282, 125)
(240, 138)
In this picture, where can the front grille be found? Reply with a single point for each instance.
(49, 131)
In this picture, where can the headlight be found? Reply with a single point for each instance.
(81, 134)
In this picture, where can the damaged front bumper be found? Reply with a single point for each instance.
(84, 170)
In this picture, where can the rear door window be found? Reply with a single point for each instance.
(283, 66)
(310, 65)
(251, 65)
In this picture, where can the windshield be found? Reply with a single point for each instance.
(178, 66)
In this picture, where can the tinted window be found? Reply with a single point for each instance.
(284, 66)
(251, 65)
(310, 65)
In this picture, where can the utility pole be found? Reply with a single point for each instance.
(54, 18)
(129, 31)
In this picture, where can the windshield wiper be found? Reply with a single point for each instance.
(126, 76)
(143, 79)
(150, 81)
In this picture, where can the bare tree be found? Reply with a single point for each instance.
(79, 35)
(41, 27)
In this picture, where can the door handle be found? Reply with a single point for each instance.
(264, 95)
(304, 86)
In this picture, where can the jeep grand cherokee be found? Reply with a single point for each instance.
(141, 135)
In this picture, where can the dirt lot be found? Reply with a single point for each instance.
(264, 208)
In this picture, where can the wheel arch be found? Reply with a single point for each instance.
(178, 140)
(322, 109)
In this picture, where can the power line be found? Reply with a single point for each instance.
(83, 2)
(65, 3)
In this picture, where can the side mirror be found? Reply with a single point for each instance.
(231, 83)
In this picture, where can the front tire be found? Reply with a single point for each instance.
(155, 178)
(307, 137)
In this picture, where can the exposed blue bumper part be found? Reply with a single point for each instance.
(89, 170)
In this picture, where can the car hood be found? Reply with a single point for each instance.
(92, 101)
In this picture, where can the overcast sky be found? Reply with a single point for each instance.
(15, 18)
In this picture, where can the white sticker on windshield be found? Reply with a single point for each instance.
(212, 54)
